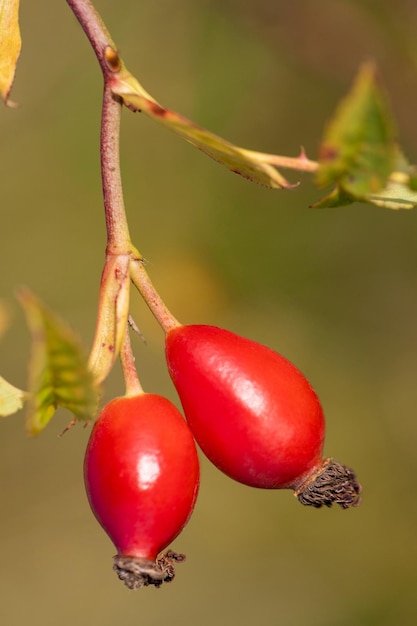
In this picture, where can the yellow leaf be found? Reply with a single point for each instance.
(11, 398)
(395, 195)
(10, 45)
(239, 160)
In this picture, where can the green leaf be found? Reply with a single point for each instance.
(358, 150)
(10, 45)
(336, 198)
(58, 374)
(12, 399)
(240, 161)
(412, 183)
(397, 194)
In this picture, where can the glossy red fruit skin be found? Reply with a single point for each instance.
(141, 473)
(252, 412)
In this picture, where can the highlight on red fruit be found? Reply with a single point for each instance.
(141, 473)
(255, 415)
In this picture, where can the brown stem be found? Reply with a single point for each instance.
(110, 320)
(118, 238)
(94, 28)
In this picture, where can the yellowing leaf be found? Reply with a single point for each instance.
(10, 44)
(58, 374)
(12, 399)
(358, 150)
(240, 161)
(395, 195)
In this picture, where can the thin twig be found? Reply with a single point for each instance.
(301, 163)
(94, 28)
(118, 240)
(143, 283)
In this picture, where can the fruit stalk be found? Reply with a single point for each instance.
(132, 382)
(157, 306)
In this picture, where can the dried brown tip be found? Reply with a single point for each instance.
(137, 573)
(332, 483)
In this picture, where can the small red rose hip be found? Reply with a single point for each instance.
(141, 474)
(255, 415)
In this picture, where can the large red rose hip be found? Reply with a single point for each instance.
(141, 475)
(255, 415)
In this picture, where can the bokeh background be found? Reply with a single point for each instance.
(333, 290)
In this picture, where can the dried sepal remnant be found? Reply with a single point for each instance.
(136, 573)
(333, 483)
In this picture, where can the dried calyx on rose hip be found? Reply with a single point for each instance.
(255, 415)
(141, 473)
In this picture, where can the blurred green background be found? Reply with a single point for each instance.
(333, 290)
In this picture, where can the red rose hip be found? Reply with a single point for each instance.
(141, 474)
(255, 415)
